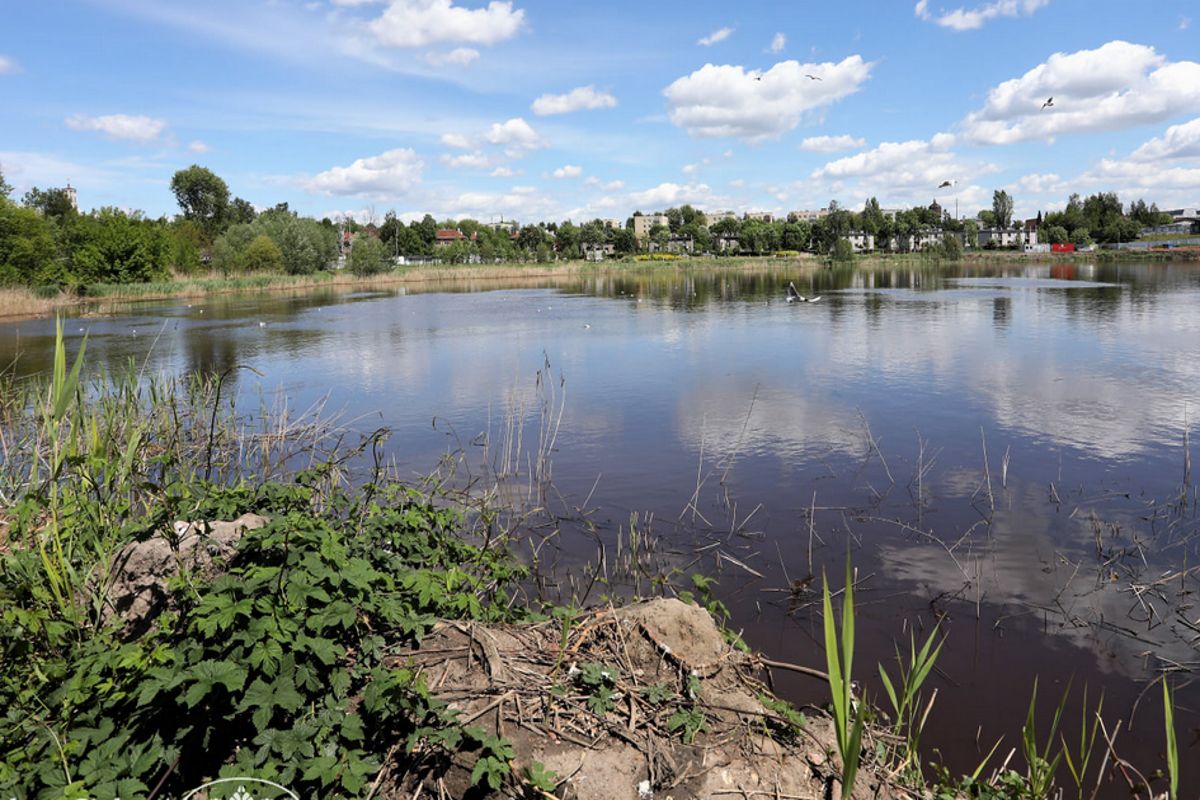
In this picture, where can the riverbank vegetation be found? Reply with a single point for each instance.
(189, 590)
(47, 245)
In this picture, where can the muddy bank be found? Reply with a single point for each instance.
(646, 701)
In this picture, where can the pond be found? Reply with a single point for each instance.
(1001, 449)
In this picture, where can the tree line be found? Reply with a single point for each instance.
(45, 241)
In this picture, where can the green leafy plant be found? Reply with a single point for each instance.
(787, 722)
(494, 762)
(687, 722)
(1041, 764)
(848, 718)
(905, 699)
(598, 680)
(1168, 700)
(656, 694)
(539, 780)
(1077, 758)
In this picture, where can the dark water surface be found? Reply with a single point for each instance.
(804, 423)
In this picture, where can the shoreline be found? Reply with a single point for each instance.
(17, 303)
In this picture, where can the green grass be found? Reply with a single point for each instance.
(848, 718)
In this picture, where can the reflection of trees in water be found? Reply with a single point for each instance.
(1001, 311)
(212, 350)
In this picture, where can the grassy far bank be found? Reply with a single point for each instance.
(145, 647)
(19, 302)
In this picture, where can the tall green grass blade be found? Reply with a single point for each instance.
(1172, 745)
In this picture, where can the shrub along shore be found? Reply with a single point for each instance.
(21, 302)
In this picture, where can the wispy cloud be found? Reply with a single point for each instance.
(778, 42)
(719, 35)
(120, 126)
(7, 66)
(966, 19)
(583, 97)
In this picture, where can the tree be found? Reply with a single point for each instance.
(1081, 237)
(110, 246)
(28, 255)
(202, 196)
(1002, 208)
(842, 250)
(951, 247)
(187, 240)
(368, 256)
(987, 217)
(53, 203)
(241, 211)
(6, 188)
(262, 255)
(1057, 234)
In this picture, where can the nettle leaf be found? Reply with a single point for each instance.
(207, 675)
(265, 697)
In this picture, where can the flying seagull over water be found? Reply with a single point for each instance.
(793, 295)
(1048, 103)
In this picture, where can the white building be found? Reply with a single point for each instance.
(642, 225)
(807, 216)
(860, 242)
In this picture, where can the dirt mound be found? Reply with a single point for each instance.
(642, 702)
(138, 593)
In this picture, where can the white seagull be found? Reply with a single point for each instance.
(793, 295)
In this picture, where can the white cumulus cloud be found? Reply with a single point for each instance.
(475, 160)
(503, 172)
(568, 171)
(459, 56)
(516, 136)
(198, 146)
(831, 144)
(120, 126)
(418, 23)
(778, 42)
(1117, 85)
(719, 35)
(456, 140)
(966, 19)
(583, 97)
(670, 194)
(752, 105)
(389, 174)
(1180, 141)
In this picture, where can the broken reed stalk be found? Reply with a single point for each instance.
(987, 471)
(874, 445)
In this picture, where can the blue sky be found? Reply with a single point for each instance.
(534, 110)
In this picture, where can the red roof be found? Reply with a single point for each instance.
(449, 233)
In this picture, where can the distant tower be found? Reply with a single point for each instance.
(73, 196)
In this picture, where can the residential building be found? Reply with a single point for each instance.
(1182, 228)
(1185, 214)
(860, 242)
(726, 244)
(922, 240)
(1008, 237)
(598, 251)
(72, 195)
(675, 244)
(448, 236)
(642, 225)
(613, 224)
(760, 216)
(711, 218)
(807, 216)
(504, 225)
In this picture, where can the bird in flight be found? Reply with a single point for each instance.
(944, 184)
(1048, 103)
(812, 77)
(793, 295)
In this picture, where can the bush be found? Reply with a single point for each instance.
(368, 256)
(951, 247)
(842, 251)
(110, 246)
(28, 254)
(262, 255)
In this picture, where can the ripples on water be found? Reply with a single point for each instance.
(1080, 377)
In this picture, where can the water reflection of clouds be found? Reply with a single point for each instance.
(1027, 562)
